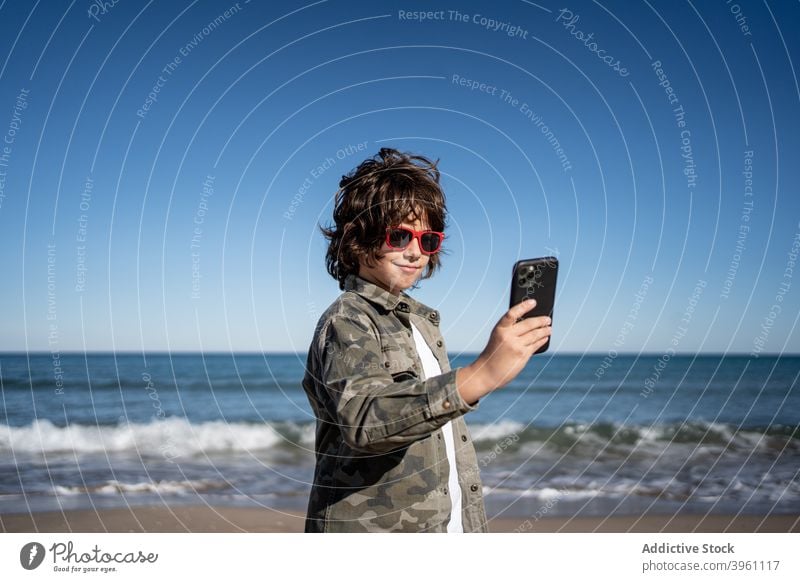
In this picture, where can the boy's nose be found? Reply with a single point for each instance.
(413, 250)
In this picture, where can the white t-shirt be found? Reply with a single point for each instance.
(431, 369)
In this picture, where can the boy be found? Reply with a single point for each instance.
(392, 450)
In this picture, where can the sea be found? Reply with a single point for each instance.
(572, 435)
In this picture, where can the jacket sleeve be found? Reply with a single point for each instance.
(374, 413)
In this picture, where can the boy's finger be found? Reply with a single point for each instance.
(533, 323)
(528, 333)
(520, 309)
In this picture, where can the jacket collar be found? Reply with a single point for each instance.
(372, 292)
(388, 301)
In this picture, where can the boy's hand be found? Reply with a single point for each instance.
(512, 343)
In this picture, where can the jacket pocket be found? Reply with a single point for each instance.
(399, 362)
(404, 375)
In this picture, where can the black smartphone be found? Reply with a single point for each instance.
(535, 279)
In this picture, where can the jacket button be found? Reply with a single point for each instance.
(445, 490)
(464, 437)
(439, 343)
(446, 404)
(473, 487)
(433, 316)
(387, 364)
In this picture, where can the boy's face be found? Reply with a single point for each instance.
(397, 270)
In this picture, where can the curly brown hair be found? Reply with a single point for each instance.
(383, 190)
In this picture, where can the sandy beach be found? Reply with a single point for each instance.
(237, 519)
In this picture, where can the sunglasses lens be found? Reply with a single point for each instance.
(399, 238)
(430, 242)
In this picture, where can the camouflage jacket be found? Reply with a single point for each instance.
(381, 463)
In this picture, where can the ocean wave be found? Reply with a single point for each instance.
(179, 436)
(731, 488)
(495, 431)
(164, 487)
(576, 437)
(169, 437)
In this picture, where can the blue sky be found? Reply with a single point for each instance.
(166, 167)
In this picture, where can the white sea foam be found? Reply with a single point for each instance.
(496, 431)
(544, 494)
(165, 487)
(177, 436)
(307, 432)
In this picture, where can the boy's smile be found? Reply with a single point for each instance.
(397, 270)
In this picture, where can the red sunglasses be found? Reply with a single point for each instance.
(399, 237)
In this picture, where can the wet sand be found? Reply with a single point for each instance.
(237, 519)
